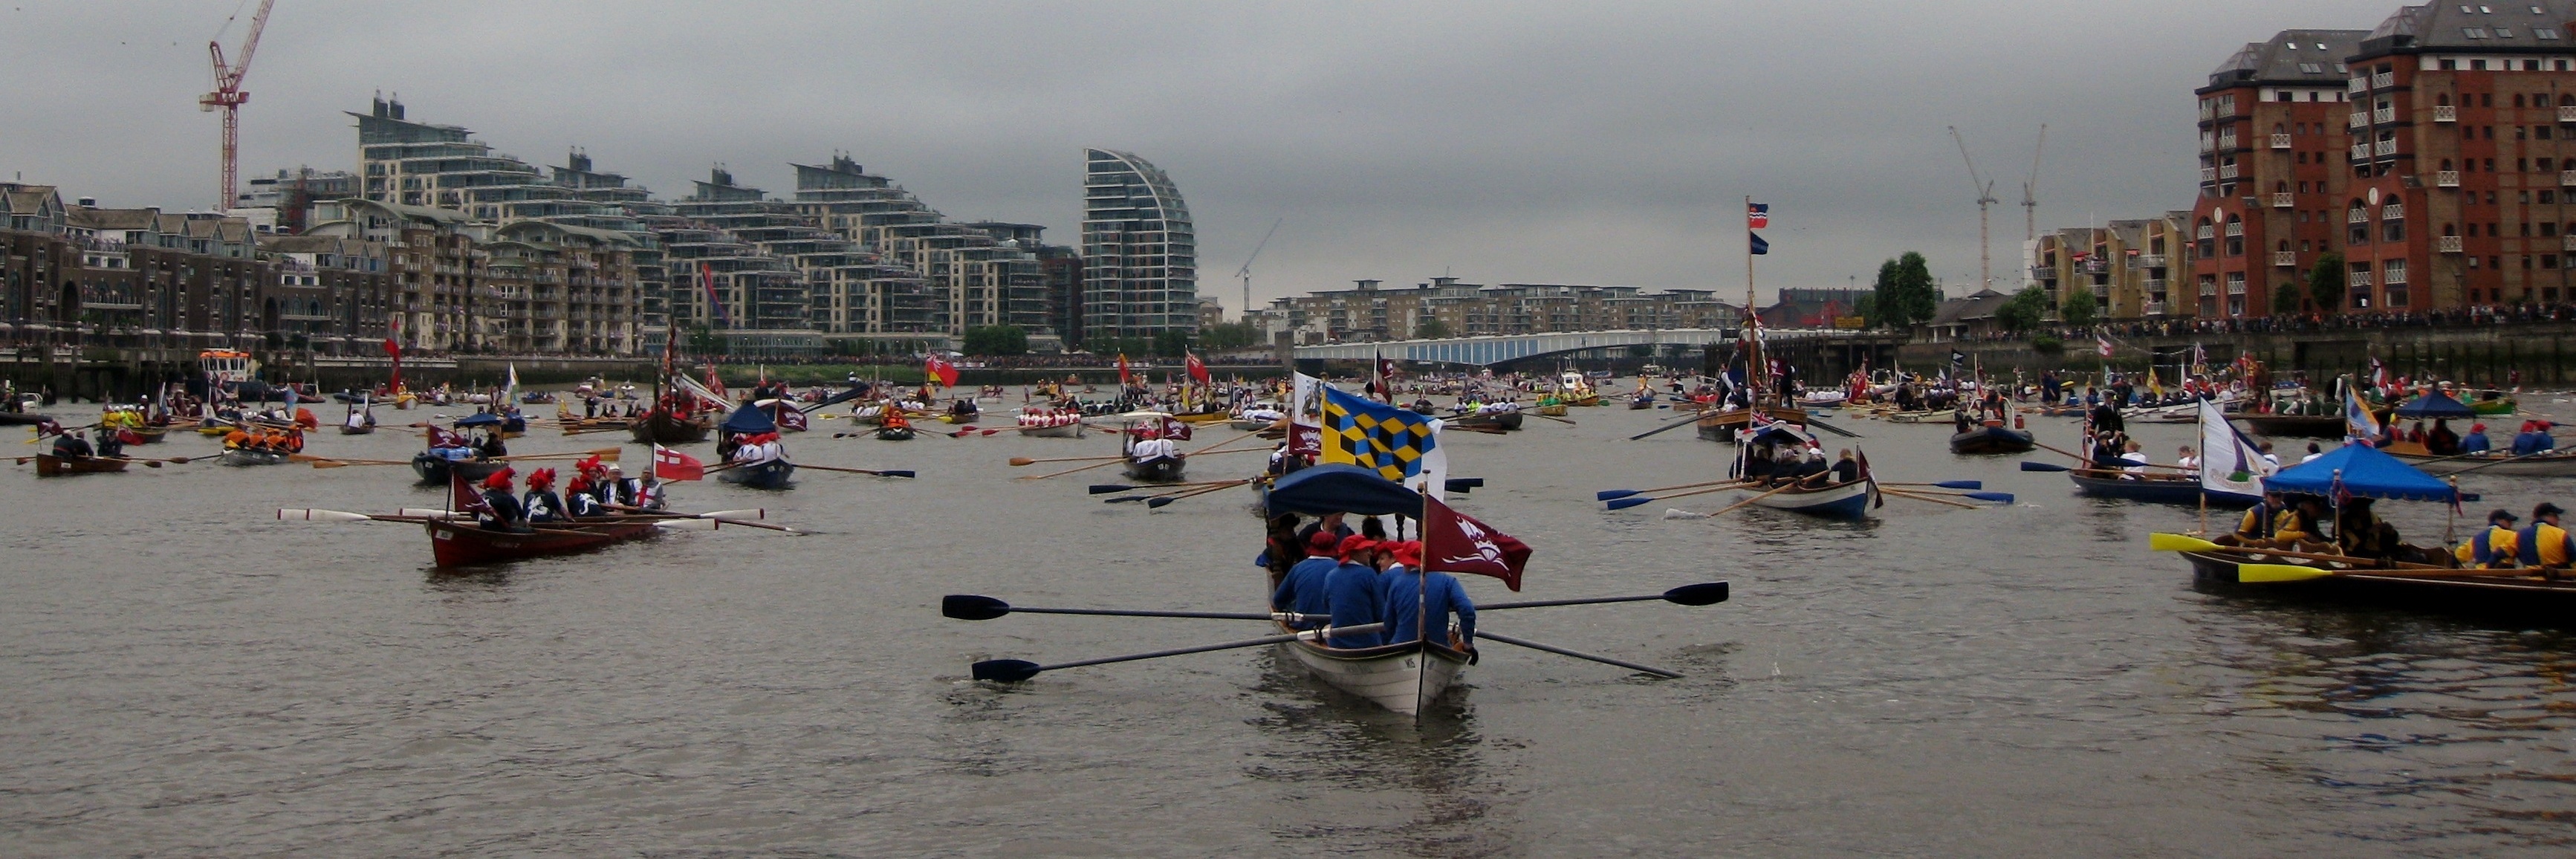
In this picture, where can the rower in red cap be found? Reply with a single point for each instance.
(501, 511)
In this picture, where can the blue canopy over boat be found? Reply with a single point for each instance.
(1323, 489)
(2364, 471)
(2435, 405)
(749, 419)
(479, 419)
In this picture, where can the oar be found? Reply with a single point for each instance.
(1608, 494)
(1018, 461)
(1704, 593)
(319, 462)
(2044, 466)
(2164, 542)
(1167, 499)
(1674, 425)
(1831, 428)
(1557, 419)
(1998, 497)
(1945, 484)
(1731, 507)
(2502, 461)
(1016, 670)
(1665, 673)
(975, 607)
(1112, 461)
(1899, 493)
(605, 454)
(886, 473)
(969, 431)
(1625, 503)
(1106, 488)
(310, 514)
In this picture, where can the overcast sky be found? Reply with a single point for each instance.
(1597, 143)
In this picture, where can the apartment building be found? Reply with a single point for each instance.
(2128, 265)
(329, 294)
(1139, 248)
(1369, 312)
(2273, 144)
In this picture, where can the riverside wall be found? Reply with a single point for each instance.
(2534, 353)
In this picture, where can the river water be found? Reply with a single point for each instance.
(184, 675)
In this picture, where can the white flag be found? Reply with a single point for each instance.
(2228, 463)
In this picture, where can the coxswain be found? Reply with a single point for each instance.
(1846, 468)
(501, 511)
(541, 504)
(111, 442)
(2495, 547)
(2544, 543)
(2133, 460)
(648, 494)
(1302, 589)
(614, 487)
(1352, 592)
(1417, 601)
(1758, 465)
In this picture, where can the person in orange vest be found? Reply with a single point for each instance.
(2493, 548)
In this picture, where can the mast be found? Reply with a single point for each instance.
(1754, 369)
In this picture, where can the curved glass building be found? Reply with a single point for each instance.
(1141, 255)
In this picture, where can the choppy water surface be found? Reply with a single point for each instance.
(184, 675)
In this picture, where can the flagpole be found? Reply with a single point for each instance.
(1754, 368)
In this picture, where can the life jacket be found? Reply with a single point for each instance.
(2492, 548)
(2259, 522)
(2541, 544)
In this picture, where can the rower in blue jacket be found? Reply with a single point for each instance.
(1303, 588)
(1417, 601)
(1353, 594)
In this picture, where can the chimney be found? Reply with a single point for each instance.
(380, 107)
(396, 107)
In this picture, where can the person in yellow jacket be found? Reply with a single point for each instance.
(2493, 548)
(2544, 543)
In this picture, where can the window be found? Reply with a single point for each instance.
(2544, 164)
(2517, 99)
(2504, 32)
(2548, 197)
(2450, 65)
(2549, 229)
(2312, 68)
(2474, 33)
(2521, 133)
(2540, 132)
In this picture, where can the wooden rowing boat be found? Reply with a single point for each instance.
(460, 544)
(1404, 678)
(1160, 469)
(1990, 439)
(2506, 594)
(150, 434)
(901, 433)
(659, 427)
(49, 465)
(2157, 488)
(1850, 500)
(436, 471)
(1071, 430)
(1505, 420)
(1941, 416)
(774, 474)
(243, 456)
(2561, 463)
(1722, 426)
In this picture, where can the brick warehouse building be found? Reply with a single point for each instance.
(2272, 141)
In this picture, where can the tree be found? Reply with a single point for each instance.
(1171, 343)
(1904, 294)
(705, 341)
(1230, 335)
(2285, 300)
(997, 341)
(2326, 283)
(1430, 328)
(2078, 307)
(2024, 310)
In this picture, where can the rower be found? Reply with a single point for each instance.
(1351, 592)
(2493, 548)
(70, 445)
(501, 512)
(584, 500)
(1302, 589)
(1813, 469)
(2257, 526)
(2476, 441)
(1846, 469)
(2133, 460)
(541, 503)
(2544, 543)
(1417, 601)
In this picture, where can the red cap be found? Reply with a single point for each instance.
(1409, 553)
(1354, 544)
(499, 479)
(1322, 542)
(543, 478)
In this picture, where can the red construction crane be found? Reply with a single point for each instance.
(228, 96)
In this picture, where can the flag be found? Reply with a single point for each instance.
(670, 464)
(1305, 410)
(938, 369)
(1124, 376)
(2199, 358)
(1958, 359)
(1377, 436)
(509, 388)
(2155, 386)
(2102, 344)
(1454, 542)
(707, 276)
(716, 386)
(1198, 369)
(2378, 373)
(393, 334)
(1760, 247)
(2229, 462)
(1756, 216)
(2359, 423)
(1377, 380)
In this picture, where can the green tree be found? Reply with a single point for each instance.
(2326, 284)
(2285, 300)
(1430, 328)
(1230, 335)
(2078, 307)
(997, 340)
(1171, 343)
(705, 341)
(2024, 310)
(1904, 293)
(1867, 309)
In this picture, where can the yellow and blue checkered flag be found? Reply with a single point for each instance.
(1371, 435)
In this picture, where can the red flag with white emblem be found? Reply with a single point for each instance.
(1453, 542)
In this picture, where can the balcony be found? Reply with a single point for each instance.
(2567, 178)
(2285, 259)
(2208, 175)
(2043, 272)
(2235, 228)
(2384, 115)
(2227, 171)
(2155, 308)
(2358, 85)
(2567, 113)
(2151, 261)
(2280, 141)
(2208, 232)
(2358, 120)
(2227, 141)
(2383, 80)
(2384, 148)
(2357, 215)
(2445, 113)
(2282, 200)
(2362, 280)
(2361, 152)
(2397, 273)
(2392, 211)
(2450, 179)
(2152, 284)
(2208, 289)
(2568, 243)
(2236, 287)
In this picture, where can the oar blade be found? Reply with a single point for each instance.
(1625, 503)
(1997, 497)
(894, 473)
(1006, 670)
(745, 513)
(2270, 573)
(1611, 494)
(308, 514)
(687, 524)
(1704, 593)
(2043, 466)
(1018, 461)
(972, 607)
(2163, 542)
(1106, 488)
(1157, 502)
(1961, 484)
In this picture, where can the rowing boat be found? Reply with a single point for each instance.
(2560, 463)
(244, 456)
(659, 427)
(1506, 419)
(436, 471)
(1991, 438)
(2157, 488)
(1922, 417)
(1849, 500)
(2293, 426)
(49, 465)
(1404, 678)
(459, 544)
(773, 474)
(1553, 410)
(1724, 425)
(894, 433)
(150, 434)
(1158, 469)
(2503, 594)
(1071, 430)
